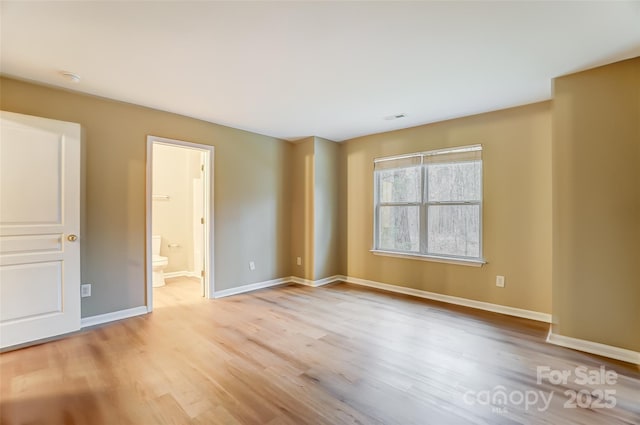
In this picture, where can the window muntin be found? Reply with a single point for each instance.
(430, 203)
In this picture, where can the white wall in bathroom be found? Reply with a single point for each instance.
(174, 169)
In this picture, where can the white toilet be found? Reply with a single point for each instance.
(159, 262)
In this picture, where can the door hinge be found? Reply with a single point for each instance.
(201, 220)
(202, 167)
(202, 273)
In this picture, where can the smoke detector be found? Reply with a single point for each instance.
(395, 117)
(70, 76)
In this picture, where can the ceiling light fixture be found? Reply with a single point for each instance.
(395, 117)
(70, 76)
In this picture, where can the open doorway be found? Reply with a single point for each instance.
(179, 217)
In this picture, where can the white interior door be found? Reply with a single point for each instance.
(198, 229)
(39, 228)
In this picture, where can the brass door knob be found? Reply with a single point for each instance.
(72, 238)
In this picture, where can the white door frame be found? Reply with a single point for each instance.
(208, 154)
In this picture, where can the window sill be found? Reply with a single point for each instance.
(436, 259)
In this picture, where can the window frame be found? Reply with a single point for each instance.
(378, 204)
(424, 204)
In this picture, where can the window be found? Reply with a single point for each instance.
(429, 204)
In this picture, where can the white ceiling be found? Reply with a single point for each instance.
(329, 69)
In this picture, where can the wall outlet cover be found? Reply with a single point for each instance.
(85, 290)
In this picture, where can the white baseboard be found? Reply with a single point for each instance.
(604, 350)
(481, 305)
(316, 283)
(85, 322)
(275, 282)
(182, 273)
(251, 287)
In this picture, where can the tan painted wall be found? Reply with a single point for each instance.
(315, 208)
(596, 195)
(252, 192)
(516, 213)
(343, 252)
(302, 208)
(326, 198)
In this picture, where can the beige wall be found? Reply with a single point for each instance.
(314, 208)
(302, 208)
(174, 169)
(326, 198)
(596, 195)
(252, 192)
(516, 214)
(343, 252)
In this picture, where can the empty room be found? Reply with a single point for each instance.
(319, 212)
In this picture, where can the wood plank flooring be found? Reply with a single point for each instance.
(339, 354)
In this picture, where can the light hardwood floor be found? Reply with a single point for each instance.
(339, 354)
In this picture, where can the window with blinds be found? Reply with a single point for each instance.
(430, 203)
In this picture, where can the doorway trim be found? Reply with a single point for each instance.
(209, 152)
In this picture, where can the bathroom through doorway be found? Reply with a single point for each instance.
(179, 217)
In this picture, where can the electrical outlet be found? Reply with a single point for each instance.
(299, 261)
(85, 290)
(252, 265)
(500, 281)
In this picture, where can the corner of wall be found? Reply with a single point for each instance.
(596, 133)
